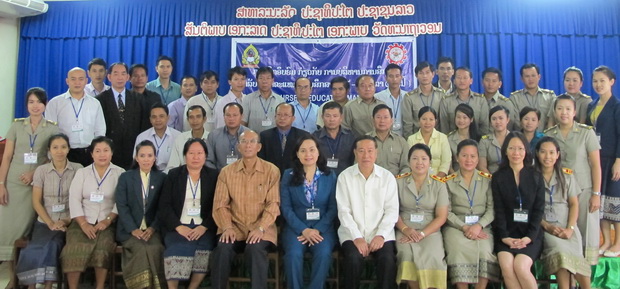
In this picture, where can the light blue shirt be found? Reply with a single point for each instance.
(167, 95)
(396, 106)
(176, 116)
(305, 118)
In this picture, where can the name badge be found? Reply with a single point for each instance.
(471, 219)
(77, 127)
(417, 217)
(230, 159)
(266, 122)
(332, 163)
(96, 197)
(30, 158)
(520, 216)
(550, 216)
(598, 136)
(193, 211)
(58, 208)
(313, 214)
(396, 126)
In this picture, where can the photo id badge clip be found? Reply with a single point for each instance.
(313, 214)
(520, 216)
(471, 219)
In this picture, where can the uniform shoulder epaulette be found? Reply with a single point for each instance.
(453, 132)
(553, 127)
(51, 122)
(486, 175)
(452, 176)
(547, 90)
(486, 136)
(19, 119)
(567, 171)
(438, 178)
(515, 92)
(501, 97)
(585, 126)
(477, 94)
(404, 175)
(585, 95)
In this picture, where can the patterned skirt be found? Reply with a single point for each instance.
(611, 191)
(38, 262)
(422, 262)
(183, 257)
(142, 263)
(81, 252)
(468, 260)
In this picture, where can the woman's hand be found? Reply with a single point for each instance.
(102, 225)
(26, 177)
(615, 171)
(197, 232)
(4, 196)
(472, 232)
(89, 230)
(565, 233)
(411, 236)
(58, 226)
(184, 231)
(310, 237)
(595, 203)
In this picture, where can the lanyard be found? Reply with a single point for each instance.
(551, 196)
(304, 119)
(329, 144)
(232, 141)
(32, 141)
(397, 105)
(266, 110)
(193, 188)
(164, 98)
(473, 195)
(422, 100)
(103, 179)
(158, 145)
(520, 199)
(60, 182)
(417, 199)
(145, 191)
(499, 155)
(77, 113)
(312, 188)
(207, 102)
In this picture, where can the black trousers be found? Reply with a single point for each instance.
(255, 258)
(80, 156)
(385, 262)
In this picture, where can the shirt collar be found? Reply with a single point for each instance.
(259, 166)
(68, 166)
(166, 132)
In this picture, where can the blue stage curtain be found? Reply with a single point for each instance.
(478, 33)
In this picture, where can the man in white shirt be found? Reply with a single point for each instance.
(208, 98)
(367, 198)
(260, 106)
(96, 73)
(237, 80)
(78, 115)
(304, 108)
(196, 117)
(189, 86)
(393, 96)
(161, 135)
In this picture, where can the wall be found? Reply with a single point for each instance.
(9, 33)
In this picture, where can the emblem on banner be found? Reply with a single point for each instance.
(396, 53)
(250, 58)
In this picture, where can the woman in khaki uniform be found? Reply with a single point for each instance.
(423, 210)
(466, 128)
(491, 144)
(467, 237)
(580, 152)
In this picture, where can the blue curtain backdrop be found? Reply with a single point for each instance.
(477, 33)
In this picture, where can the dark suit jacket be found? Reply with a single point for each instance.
(173, 197)
(293, 204)
(123, 134)
(271, 150)
(608, 126)
(129, 202)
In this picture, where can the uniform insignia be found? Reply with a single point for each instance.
(452, 176)
(452, 132)
(486, 136)
(544, 90)
(501, 97)
(477, 94)
(19, 119)
(549, 129)
(486, 175)
(51, 122)
(403, 175)
(515, 92)
(585, 126)
(567, 171)
(585, 95)
(438, 178)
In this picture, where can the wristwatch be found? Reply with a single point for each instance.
(261, 229)
(596, 193)
(571, 227)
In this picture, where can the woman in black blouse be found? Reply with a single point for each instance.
(519, 200)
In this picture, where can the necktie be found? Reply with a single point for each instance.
(121, 108)
(283, 143)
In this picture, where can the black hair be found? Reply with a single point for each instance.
(233, 104)
(420, 146)
(362, 138)
(557, 167)
(426, 109)
(340, 79)
(163, 58)
(196, 106)
(236, 70)
(118, 63)
(55, 137)
(446, 59)
(359, 78)
(288, 104)
(191, 141)
(606, 70)
(422, 65)
(499, 108)
(465, 68)
(332, 105)
(190, 77)
(464, 143)
(393, 66)
(567, 97)
(265, 70)
(159, 105)
(97, 61)
(209, 74)
(529, 65)
(467, 110)
(493, 70)
(145, 143)
(527, 110)
(138, 66)
(101, 139)
(527, 161)
(573, 69)
(299, 175)
(39, 93)
(380, 107)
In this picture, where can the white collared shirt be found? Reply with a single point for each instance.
(82, 129)
(90, 90)
(396, 105)
(163, 145)
(219, 107)
(366, 207)
(176, 156)
(209, 107)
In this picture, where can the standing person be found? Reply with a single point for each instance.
(25, 150)
(237, 81)
(463, 94)
(604, 114)
(467, 237)
(304, 108)
(125, 114)
(138, 77)
(358, 112)
(308, 205)
(137, 198)
(189, 86)
(529, 118)
(38, 262)
(562, 251)
(246, 204)
(492, 81)
(260, 106)
(534, 96)
(466, 128)
(339, 87)
(90, 237)
(573, 81)
(437, 141)
(79, 116)
(167, 89)
(96, 73)
(491, 144)
(185, 210)
(581, 154)
(423, 200)
(367, 199)
(196, 116)
(393, 95)
(208, 98)
(222, 142)
(424, 95)
(519, 203)
(335, 141)
(445, 66)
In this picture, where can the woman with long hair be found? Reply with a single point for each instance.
(490, 144)
(466, 128)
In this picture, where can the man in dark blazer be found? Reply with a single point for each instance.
(284, 135)
(125, 114)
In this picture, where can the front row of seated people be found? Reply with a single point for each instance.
(469, 227)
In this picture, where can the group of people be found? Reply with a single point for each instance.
(438, 184)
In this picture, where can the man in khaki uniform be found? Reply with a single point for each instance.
(463, 94)
(492, 82)
(339, 87)
(424, 95)
(534, 96)
(392, 149)
(358, 112)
